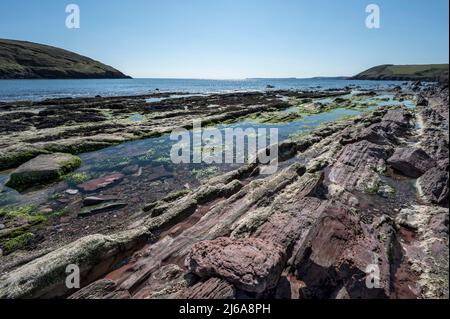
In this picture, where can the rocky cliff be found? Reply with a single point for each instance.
(426, 72)
(27, 60)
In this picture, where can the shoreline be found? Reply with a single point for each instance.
(159, 224)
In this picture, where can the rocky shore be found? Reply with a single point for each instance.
(360, 196)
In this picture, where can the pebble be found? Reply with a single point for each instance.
(2, 226)
(72, 191)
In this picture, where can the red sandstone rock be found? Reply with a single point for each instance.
(99, 183)
(251, 264)
(411, 162)
(213, 288)
(434, 185)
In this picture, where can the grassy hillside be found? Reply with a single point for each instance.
(27, 60)
(425, 72)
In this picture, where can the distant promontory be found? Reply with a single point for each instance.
(413, 72)
(27, 60)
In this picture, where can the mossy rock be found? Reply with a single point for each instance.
(43, 169)
(18, 242)
(25, 216)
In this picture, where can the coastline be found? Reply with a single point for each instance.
(156, 227)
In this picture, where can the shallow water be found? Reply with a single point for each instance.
(138, 160)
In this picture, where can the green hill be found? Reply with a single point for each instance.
(27, 60)
(425, 72)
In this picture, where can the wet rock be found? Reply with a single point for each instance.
(411, 162)
(95, 200)
(158, 173)
(100, 183)
(101, 208)
(340, 100)
(433, 185)
(251, 264)
(43, 169)
(367, 93)
(129, 170)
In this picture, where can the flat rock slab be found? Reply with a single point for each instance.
(100, 183)
(96, 200)
(101, 208)
(43, 169)
(251, 264)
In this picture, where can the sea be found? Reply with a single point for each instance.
(36, 90)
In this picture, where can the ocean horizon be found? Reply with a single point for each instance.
(40, 89)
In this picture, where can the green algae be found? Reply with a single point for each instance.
(77, 178)
(18, 242)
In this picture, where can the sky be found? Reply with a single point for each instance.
(234, 39)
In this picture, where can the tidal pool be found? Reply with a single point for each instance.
(147, 167)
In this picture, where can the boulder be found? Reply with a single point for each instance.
(412, 162)
(433, 185)
(251, 264)
(43, 169)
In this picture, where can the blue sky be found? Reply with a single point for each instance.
(237, 38)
